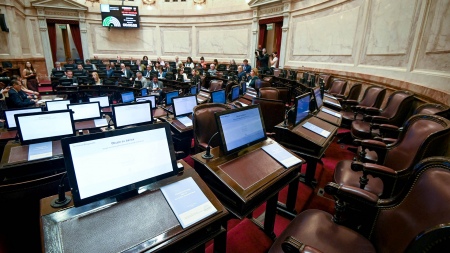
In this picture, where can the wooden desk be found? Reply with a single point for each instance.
(181, 135)
(306, 143)
(330, 118)
(162, 232)
(245, 180)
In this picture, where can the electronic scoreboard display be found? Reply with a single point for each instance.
(120, 16)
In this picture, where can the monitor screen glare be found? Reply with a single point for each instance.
(149, 98)
(240, 128)
(169, 97)
(57, 105)
(127, 97)
(302, 108)
(184, 105)
(144, 92)
(85, 110)
(11, 122)
(318, 97)
(194, 90)
(218, 97)
(104, 101)
(234, 93)
(132, 114)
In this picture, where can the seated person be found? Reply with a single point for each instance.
(212, 69)
(155, 85)
(161, 73)
(58, 67)
(18, 98)
(126, 73)
(4, 90)
(69, 75)
(148, 72)
(109, 71)
(83, 71)
(88, 62)
(241, 73)
(142, 79)
(181, 76)
(254, 77)
(30, 93)
(97, 80)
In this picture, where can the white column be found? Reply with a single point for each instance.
(83, 35)
(285, 30)
(254, 39)
(45, 40)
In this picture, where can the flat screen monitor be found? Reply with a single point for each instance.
(104, 101)
(244, 88)
(120, 16)
(132, 114)
(170, 96)
(58, 73)
(66, 81)
(193, 90)
(144, 92)
(147, 98)
(240, 128)
(9, 115)
(57, 105)
(218, 97)
(302, 107)
(318, 97)
(112, 163)
(184, 105)
(127, 97)
(85, 111)
(44, 126)
(234, 92)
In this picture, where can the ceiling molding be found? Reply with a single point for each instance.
(59, 4)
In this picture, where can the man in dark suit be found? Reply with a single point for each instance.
(58, 67)
(82, 70)
(18, 98)
(148, 72)
(241, 73)
(246, 67)
(69, 75)
(126, 72)
(263, 59)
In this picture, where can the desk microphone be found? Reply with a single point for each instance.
(62, 199)
(207, 154)
(286, 115)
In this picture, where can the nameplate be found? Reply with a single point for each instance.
(281, 155)
(316, 129)
(335, 114)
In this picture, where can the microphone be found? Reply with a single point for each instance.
(62, 199)
(286, 115)
(207, 154)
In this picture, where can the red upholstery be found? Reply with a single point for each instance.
(204, 124)
(373, 97)
(269, 93)
(215, 85)
(337, 87)
(272, 111)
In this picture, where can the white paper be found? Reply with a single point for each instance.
(316, 129)
(58, 99)
(100, 122)
(281, 155)
(40, 150)
(185, 121)
(335, 114)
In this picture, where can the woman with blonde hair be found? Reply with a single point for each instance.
(254, 77)
(97, 80)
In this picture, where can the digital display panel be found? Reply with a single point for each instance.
(119, 16)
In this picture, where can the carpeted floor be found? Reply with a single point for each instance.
(245, 236)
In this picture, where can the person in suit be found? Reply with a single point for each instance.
(83, 71)
(246, 67)
(58, 67)
(143, 80)
(109, 71)
(155, 85)
(126, 72)
(18, 98)
(148, 72)
(241, 73)
(69, 75)
(167, 67)
(263, 59)
(254, 77)
(161, 73)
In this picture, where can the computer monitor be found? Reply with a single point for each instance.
(170, 96)
(132, 114)
(243, 88)
(193, 90)
(318, 98)
(183, 106)
(111, 163)
(66, 81)
(240, 128)
(9, 115)
(104, 101)
(127, 97)
(301, 107)
(85, 111)
(95, 61)
(58, 73)
(44, 126)
(77, 73)
(234, 92)
(56, 105)
(144, 92)
(147, 98)
(218, 97)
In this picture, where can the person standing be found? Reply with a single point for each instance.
(30, 76)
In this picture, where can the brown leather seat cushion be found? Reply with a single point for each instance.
(361, 130)
(343, 174)
(315, 228)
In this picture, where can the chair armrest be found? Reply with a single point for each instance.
(379, 119)
(376, 169)
(339, 96)
(386, 140)
(351, 193)
(372, 111)
(373, 144)
(292, 245)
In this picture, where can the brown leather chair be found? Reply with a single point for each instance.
(395, 112)
(417, 220)
(215, 85)
(423, 136)
(268, 79)
(272, 111)
(269, 93)
(337, 87)
(219, 74)
(353, 93)
(326, 81)
(204, 123)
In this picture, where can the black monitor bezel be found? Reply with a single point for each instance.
(222, 136)
(173, 97)
(219, 91)
(313, 92)
(153, 105)
(54, 138)
(184, 114)
(121, 97)
(66, 80)
(124, 189)
(99, 111)
(17, 109)
(234, 87)
(109, 104)
(131, 104)
(54, 101)
(295, 123)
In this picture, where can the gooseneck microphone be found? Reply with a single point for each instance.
(286, 115)
(207, 154)
(62, 199)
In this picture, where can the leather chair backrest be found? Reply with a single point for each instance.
(268, 79)
(228, 87)
(269, 93)
(204, 123)
(338, 87)
(354, 92)
(261, 84)
(272, 111)
(215, 85)
(219, 74)
(424, 205)
(276, 72)
(222, 67)
(433, 109)
(284, 94)
(423, 136)
(397, 107)
(326, 80)
(373, 97)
